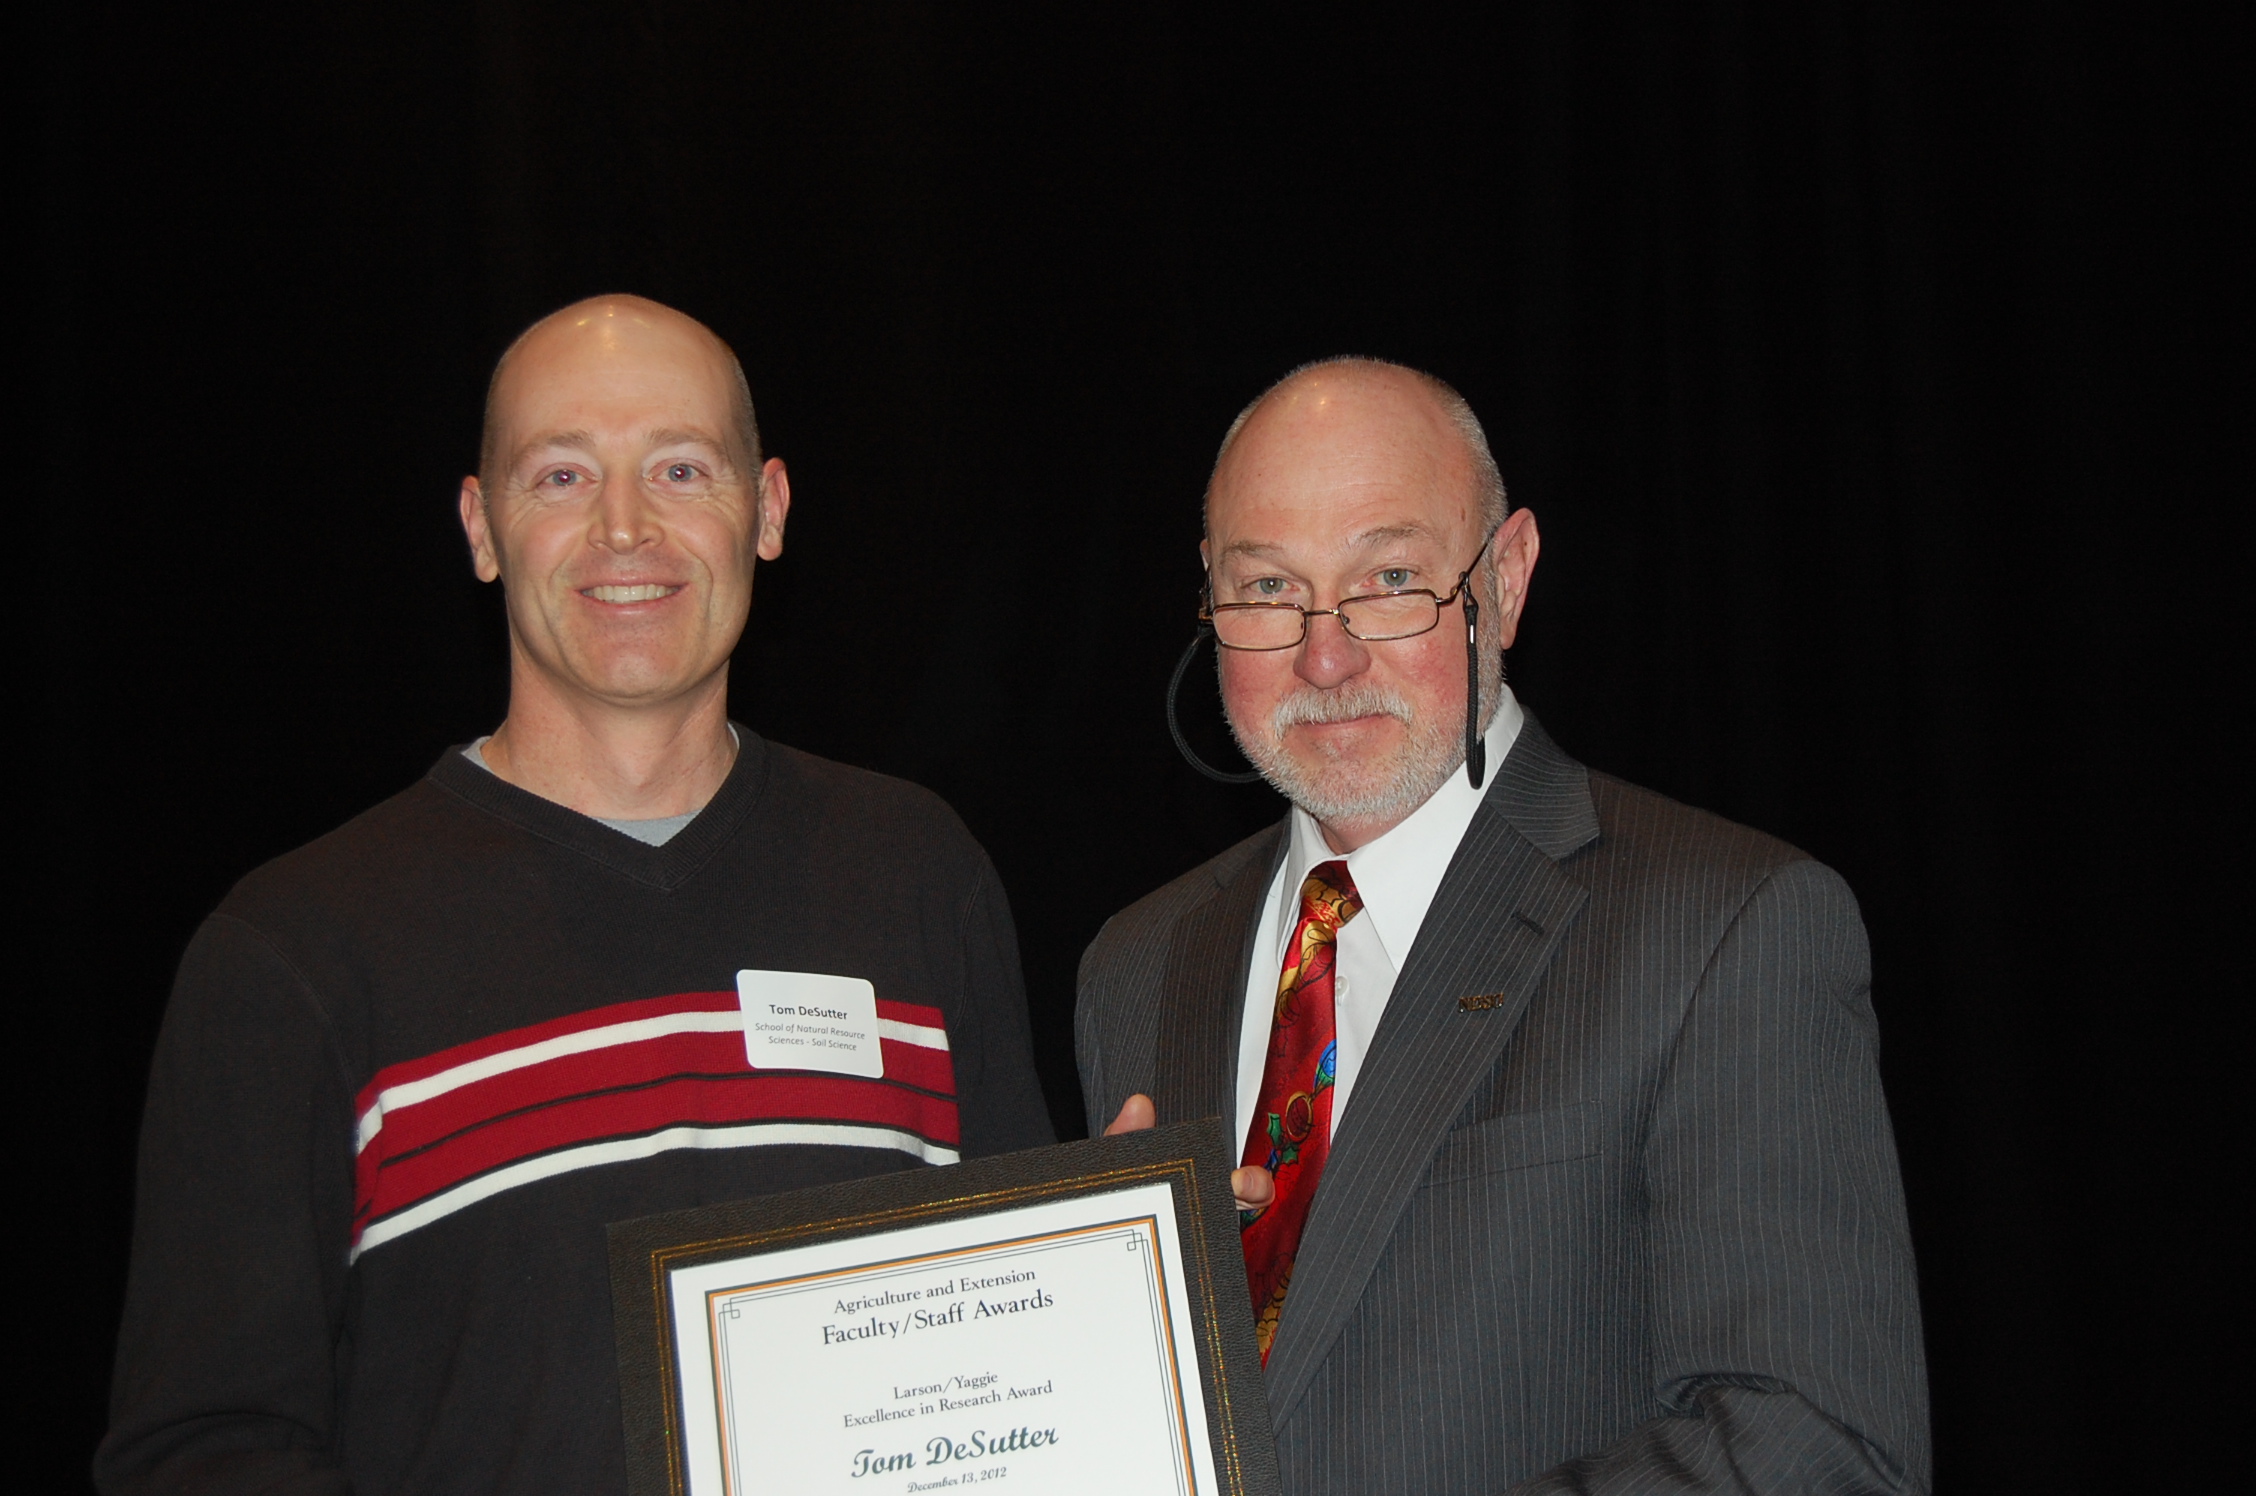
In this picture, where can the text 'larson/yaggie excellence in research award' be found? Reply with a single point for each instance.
(1032, 1319)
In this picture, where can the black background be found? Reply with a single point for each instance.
(1868, 368)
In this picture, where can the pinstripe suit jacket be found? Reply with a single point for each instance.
(1615, 1207)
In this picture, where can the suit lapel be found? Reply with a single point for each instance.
(1203, 996)
(1495, 923)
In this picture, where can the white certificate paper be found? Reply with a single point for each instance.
(1045, 1348)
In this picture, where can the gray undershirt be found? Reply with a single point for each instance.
(657, 831)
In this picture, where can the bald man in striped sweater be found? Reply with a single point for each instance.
(411, 1071)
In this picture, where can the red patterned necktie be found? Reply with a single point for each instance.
(1292, 1123)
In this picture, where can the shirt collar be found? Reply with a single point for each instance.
(1398, 874)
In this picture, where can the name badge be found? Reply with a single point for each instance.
(800, 1020)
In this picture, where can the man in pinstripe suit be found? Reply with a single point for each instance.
(1560, 1099)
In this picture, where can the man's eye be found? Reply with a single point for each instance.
(1269, 586)
(564, 479)
(1395, 578)
(680, 472)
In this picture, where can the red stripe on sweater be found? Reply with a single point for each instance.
(626, 1012)
(555, 1028)
(396, 1182)
(411, 1127)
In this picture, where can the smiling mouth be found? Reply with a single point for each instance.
(643, 592)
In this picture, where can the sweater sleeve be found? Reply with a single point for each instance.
(225, 1378)
(1784, 1306)
(998, 1095)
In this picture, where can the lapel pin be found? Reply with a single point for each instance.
(1480, 1002)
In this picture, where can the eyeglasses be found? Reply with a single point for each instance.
(1374, 618)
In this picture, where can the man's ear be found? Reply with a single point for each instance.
(485, 560)
(773, 507)
(1513, 553)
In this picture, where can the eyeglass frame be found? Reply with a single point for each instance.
(1209, 608)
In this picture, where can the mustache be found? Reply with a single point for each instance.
(1341, 704)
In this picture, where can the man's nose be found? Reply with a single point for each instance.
(625, 517)
(1330, 654)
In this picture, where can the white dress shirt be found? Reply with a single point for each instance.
(1397, 876)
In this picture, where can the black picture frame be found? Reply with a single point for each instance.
(1192, 1158)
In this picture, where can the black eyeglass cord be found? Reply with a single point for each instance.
(1476, 751)
(1183, 744)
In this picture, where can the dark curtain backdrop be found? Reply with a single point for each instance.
(1869, 368)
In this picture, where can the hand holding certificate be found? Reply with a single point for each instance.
(1070, 1319)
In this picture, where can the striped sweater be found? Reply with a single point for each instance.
(411, 1071)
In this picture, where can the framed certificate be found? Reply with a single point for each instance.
(1069, 1319)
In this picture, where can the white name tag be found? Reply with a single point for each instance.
(798, 1020)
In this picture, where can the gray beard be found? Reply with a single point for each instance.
(1337, 787)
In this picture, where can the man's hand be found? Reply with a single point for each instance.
(1252, 1185)
(1136, 1114)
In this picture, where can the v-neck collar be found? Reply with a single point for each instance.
(665, 867)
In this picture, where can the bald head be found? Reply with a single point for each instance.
(578, 342)
(1421, 416)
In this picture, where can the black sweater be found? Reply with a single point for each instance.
(412, 1070)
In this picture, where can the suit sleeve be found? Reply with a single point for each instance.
(998, 1094)
(1088, 1036)
(1785, 1324)
(225, 1377)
